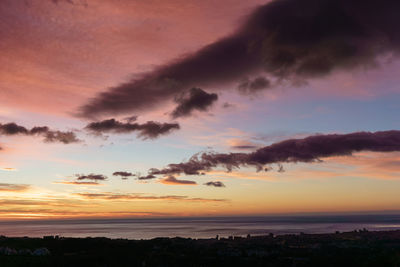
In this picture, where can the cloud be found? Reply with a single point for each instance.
(240, 144)
(92, 176)
(309, 149)
(14, 187)
(62, 137)
(171, 180)
(46, 213)
(131, 118)
(146, 130)
(136, 196)
(147, 177)
(215, 184)
(124, 175)
(195, 99)
(248, 86)
(72, 2)
(284, 40)
(50, 136)
(13, 129)
(77, 183)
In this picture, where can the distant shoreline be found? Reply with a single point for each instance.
(200, 227)
(356, 248)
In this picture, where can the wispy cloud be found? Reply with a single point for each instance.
(77, 183)
(241, 144)
(135, 196)
(14, 187)
(8, 169)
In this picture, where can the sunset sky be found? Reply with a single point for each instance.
(131, 108)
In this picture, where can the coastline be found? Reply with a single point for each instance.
(199, 227)
(355, 248)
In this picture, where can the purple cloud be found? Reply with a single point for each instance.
(284, 41)
(309, 149)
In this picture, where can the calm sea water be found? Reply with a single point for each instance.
(198, 227)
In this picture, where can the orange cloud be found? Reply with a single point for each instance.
(8, 169)
(135, 196)
(14, 187)
(34, 213)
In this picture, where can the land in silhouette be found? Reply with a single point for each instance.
(357, 248)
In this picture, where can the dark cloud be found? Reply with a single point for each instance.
(195, 99)
(14, 187)
(146, 130)
(147, 177)
(239, 144)
(72, 2)
(13, 129)
(284, 40)
(131, 119)
(248, 86)
(124, 175)
(215, 184)
(50, 136)
(62, 137)
(309, 149)
(171, 180)
(94, 177)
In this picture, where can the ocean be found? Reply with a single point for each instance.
(205, 227)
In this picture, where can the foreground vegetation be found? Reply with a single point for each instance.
(358, 248)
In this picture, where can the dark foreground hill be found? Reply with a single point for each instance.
(358, 248)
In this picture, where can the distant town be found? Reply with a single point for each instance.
(356, 248)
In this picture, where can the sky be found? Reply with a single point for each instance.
(128, 108)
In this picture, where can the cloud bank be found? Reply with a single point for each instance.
(284, 40)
